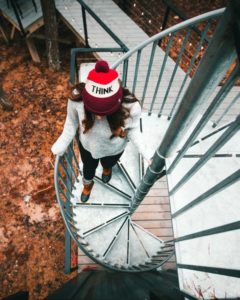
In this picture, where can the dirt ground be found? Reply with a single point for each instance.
(31, 227)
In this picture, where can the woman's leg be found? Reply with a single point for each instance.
(89, 165)
(109, 161)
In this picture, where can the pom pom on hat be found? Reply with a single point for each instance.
(102, 94)
(102, 66)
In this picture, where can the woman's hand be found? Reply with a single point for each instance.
(57, 149)
(149, 161)
(120, 132)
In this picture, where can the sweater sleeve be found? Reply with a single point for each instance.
(69, 130)
(134, 133)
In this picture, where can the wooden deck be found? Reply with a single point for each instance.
(31, 19)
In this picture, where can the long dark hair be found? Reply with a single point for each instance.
(115, 120)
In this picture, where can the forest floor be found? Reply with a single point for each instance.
(31, 227)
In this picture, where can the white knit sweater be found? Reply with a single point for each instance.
(97, 140)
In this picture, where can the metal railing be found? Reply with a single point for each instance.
(171, 7)
(214, 65)
(220, 56)
(85, 8)
(161, 94)
(88, 49)
(199, 88)
(74, 67)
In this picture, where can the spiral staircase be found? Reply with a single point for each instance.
(191, 145)
(103, 227)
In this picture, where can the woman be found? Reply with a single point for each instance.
(107, 117)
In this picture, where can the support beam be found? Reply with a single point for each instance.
(213, 67)
(13, 30)
(4, 32)
(33, 50)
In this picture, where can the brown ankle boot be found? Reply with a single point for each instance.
(86, 191)
(106, 175)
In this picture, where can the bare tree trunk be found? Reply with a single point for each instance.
(4, 101)
(51, 32)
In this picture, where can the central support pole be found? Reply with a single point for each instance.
(219, 56)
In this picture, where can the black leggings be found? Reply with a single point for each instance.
(90, 164)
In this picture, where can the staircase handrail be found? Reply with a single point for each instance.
(103, 25)
(164, 33)
(172, 7)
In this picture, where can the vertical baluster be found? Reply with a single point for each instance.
(207, 115)
(136, 71)
(74, 155)
(128, 242)
(140, 158)
(85, 26)
(125, 71)
(62, 191)
(235, 99)
(190, 66)
(70, 166)
(73, 67)
(149, 71)
(64, 168)
(174, 70)
(67, 257)
(161, 72)
(224, 138)
(64, 183)
(166, 16)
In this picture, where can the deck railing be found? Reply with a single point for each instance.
(88, 49)
(218, 69)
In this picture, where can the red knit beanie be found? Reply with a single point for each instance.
(102, 94)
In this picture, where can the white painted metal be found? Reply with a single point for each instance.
(211, 286)
(217, 250)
